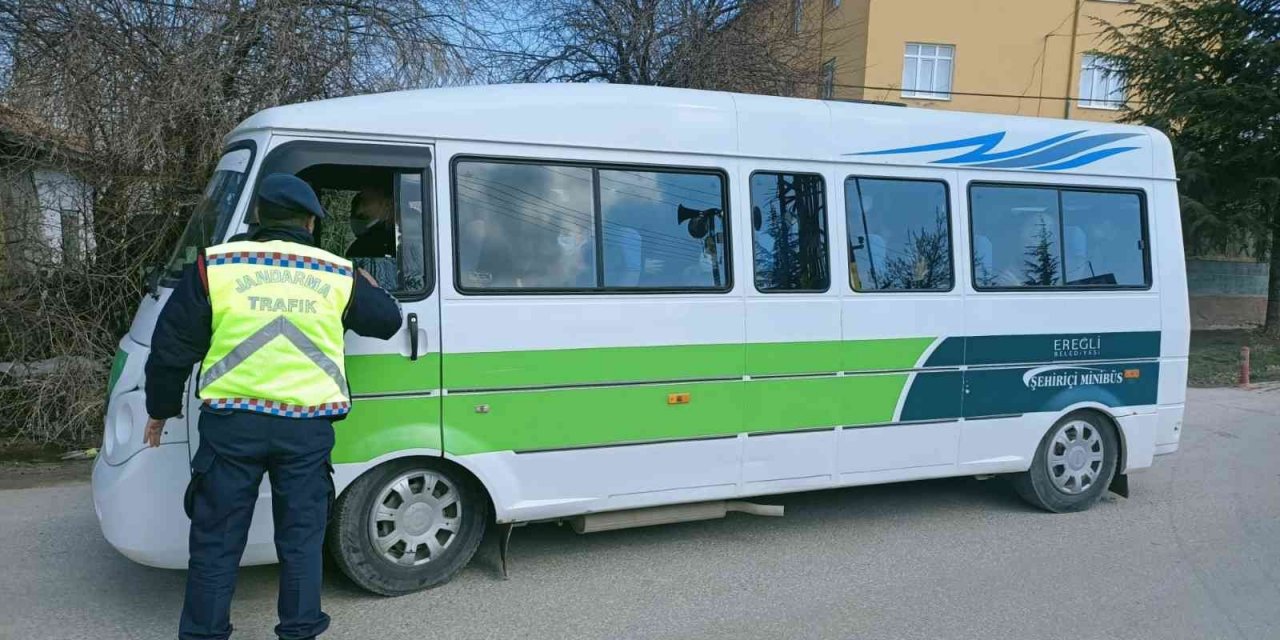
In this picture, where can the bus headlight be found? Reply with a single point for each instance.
(125, 419)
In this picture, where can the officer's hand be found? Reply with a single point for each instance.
(151, 437)
(367, 276)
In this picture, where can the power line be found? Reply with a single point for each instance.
(961, 93)
(442, 43)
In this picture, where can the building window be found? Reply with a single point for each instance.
(926, 71)
(828, 90)
(899, 234)
(533, 227)
(789, 232)
(71, 234)
(834, 4)
(797, 16)
(1042, 237)
(1101, 84)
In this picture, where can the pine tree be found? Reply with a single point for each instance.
(1207, 74)
(1041, 265)
(926, 259)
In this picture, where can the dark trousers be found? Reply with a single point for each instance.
(236, 448)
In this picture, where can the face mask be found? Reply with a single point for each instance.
(705, 262)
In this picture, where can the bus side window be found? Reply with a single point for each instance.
(899, 234)
(376, 220)
(789, 232)
(1057, 237)
(526, 227)
(663, 229)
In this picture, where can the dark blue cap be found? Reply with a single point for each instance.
(287, 193)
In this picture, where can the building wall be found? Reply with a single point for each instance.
(1013, 47)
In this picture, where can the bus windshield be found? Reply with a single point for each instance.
(212, 216)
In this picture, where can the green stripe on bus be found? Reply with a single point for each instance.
(785, 358)
(559, 418)
(592, 416)
(117, 367)
(378, 426)
(555, 367)
(537, 419)
(560, 367)
(889, 353)
(805, 403)
(392, 373)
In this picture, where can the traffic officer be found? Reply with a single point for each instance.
(265, 317)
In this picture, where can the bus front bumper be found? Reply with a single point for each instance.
(139, 505)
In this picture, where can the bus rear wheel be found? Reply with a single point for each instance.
(1073, 465)
(407, 525)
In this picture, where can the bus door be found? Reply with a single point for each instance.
(378, 197)
(594, 345)
(793, 351)
(903, 321)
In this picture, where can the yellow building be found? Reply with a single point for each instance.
(1026, 57)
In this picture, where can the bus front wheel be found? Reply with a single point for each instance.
(407, 525)
(1073, 465)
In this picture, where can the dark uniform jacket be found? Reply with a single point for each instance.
(185, 326)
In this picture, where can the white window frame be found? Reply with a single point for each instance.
(916, 58)
(827, 90)
(1101, 85)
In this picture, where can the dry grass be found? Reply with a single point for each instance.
(1215, 357)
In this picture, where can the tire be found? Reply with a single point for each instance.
(1069, 473)
(415, 501)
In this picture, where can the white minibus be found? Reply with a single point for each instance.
(623, 298)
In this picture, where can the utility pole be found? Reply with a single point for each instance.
(1071, 58)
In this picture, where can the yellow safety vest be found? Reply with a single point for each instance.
(277, 329)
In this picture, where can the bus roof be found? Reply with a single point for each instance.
(666, 120)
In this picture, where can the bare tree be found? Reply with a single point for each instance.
(138, 94)
(735, 45)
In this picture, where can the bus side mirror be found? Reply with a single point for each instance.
(151, 280)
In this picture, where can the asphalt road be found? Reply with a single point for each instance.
(1195, 553)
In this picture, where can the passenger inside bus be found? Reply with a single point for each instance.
(373, 224)
(379, 232)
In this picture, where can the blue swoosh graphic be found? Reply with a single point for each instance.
(984, 143)
(1080, 161)
(1057, 153)
(981, 152)
(982, 155)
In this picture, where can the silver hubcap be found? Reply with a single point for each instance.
(415, 518)
(1075, 457)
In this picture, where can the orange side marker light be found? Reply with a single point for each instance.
(1132, 374)
(678, 398)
